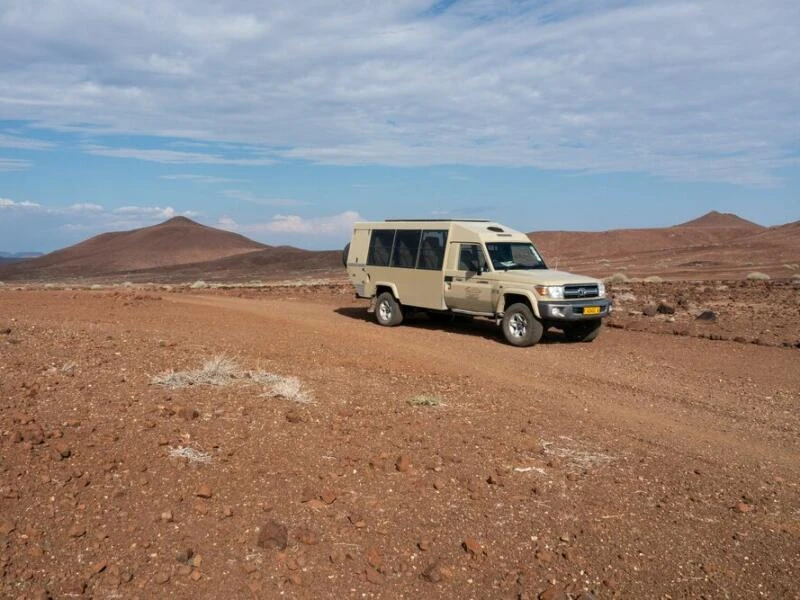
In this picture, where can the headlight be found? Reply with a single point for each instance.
(601, 289)
(556, 292)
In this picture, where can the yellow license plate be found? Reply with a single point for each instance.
(591, 310)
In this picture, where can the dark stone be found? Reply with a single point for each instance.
(707, 315)
(273, 535)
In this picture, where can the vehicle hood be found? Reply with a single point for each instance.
(544, 277)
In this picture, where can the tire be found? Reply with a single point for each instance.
(585, 331)
(345, 252)
(388, 311)
(520, 326)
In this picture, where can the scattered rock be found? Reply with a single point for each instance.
(545, 556)
(203, 492)
(184, 556)
(374, 576)
(707, 315)
(665, 309)
(62, 450)
(553, 593)
(187, 413)
(436, 572)
(472, 546)
(743, 507)
(649, 310)
(77, 531)
(328, 496)
(374, 558)
(403, 463)
(74, 587)
(273, 535)
(167, 516)
(162, 577)
(6, 527)
(307, 537)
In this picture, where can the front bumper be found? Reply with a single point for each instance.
(573, 310)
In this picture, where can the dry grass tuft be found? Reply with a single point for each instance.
(653, 279)
(289, 388)
(758, 276)
(792, 267)
(190, 454)
(424, 400)
(222, 370)
(199, 285)
(577, 457)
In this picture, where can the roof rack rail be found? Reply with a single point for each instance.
(439, 220)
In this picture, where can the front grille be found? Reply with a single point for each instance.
(576, 292)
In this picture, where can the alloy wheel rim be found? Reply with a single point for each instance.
(385, 311)
(518, 325)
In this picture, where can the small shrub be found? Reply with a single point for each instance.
(424, 400)
(653, 279)
(96, 286)
(289, 388)
(757, 276)
(190, 454)
(199, 285)
(796, 277)
(618, 278)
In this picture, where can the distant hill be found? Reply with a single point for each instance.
(177, 241)
(715, 245)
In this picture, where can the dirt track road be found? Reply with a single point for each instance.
(638, 466)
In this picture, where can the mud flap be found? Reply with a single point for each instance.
(373, 302)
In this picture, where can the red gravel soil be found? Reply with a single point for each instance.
(422, 461)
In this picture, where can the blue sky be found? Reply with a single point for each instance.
(288, 121)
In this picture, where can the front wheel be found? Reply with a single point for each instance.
(585, 331)
(388, 311)
(520, 326)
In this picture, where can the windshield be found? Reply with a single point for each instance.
(514, 255)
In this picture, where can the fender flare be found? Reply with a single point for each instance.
(501, 303)
(390, 285)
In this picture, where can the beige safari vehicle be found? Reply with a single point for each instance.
(470, 267)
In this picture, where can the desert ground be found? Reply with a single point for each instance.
(263, 442)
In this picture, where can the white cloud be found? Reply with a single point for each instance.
(692, 91)
(203, 179)
(174, 156)
(251, 198)
(14, 164)
(332, 225)
(86, 207)
(23, 143)
(166, 212)
(24, 205)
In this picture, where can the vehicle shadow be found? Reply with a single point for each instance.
(458, 325)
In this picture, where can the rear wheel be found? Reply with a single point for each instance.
(520, 326)
(388, 311)
(585, 331)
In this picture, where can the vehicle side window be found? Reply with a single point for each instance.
(431, 253)
(406, 245)
(471, 258)
(380, 247)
